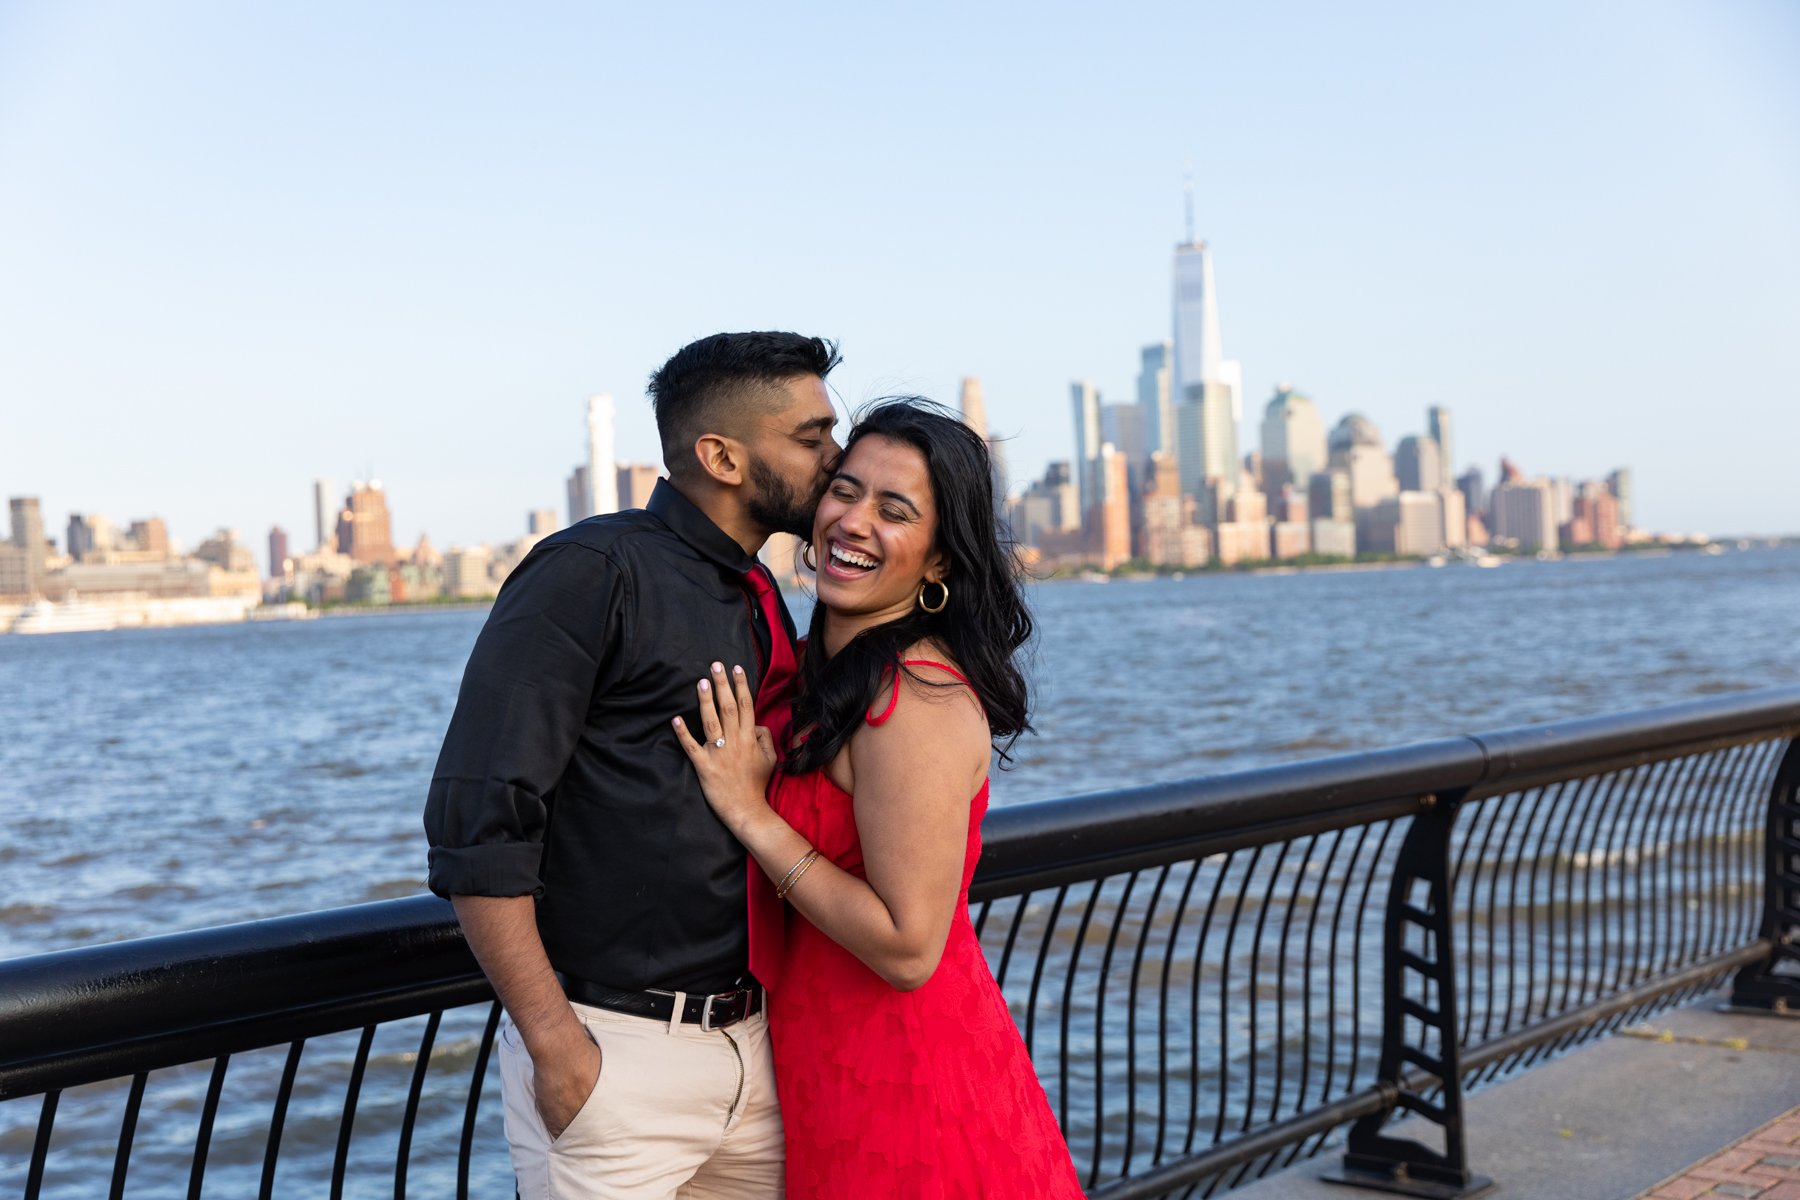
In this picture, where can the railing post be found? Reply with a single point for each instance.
(1760, 986)
(1418, 995)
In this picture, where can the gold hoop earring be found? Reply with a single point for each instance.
(939, 606)
(806, 556)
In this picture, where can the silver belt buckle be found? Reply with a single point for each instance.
(706, 1014)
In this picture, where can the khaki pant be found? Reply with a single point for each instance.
(677, 1114)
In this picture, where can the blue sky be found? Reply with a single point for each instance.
(245, 245)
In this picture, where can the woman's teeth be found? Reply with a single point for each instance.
(851, 558)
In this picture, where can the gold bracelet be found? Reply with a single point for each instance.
(793, 876)
(787, 880)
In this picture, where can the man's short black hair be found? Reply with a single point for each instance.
(713, 385)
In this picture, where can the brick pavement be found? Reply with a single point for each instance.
(1765, 1165)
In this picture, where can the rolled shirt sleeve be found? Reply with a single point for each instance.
(551, 640)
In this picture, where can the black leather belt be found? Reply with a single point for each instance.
(717, 1011)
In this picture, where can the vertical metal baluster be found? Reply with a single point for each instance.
(1106, 958)
(1719, 835)
(1068, 999)
(40, 1145)
(467, 1149)
(1718, 767)
(1162, 1014)
(1583, 861)
(1529, 850)
(134, 1101)
(1703, 838)
(1631, 883)
(342, 1158)
(1612, 850)
(1256, 954)
(1237, 910)
(1486, 816)
(1332, 954)
(1748, 867)
(1037, 972)
(411, 1117)
(1662, 916)
(1306, 972)
(1515, 801)
(279, 1118)
(1557, 849)
(1206, 923)
(979, 920)
(1147, 926)
(1012, 936)
(1281, 985)
(1362, 913)
(209, 1112)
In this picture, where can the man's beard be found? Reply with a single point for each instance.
(777, 505)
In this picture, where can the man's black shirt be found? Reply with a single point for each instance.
(560, 775)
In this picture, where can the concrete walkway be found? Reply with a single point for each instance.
(1634, 1115)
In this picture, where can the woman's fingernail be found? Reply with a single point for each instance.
(678, 722)
(704, 685)
(737, 670)
(718, 666)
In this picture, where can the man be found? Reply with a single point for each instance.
(601, 896)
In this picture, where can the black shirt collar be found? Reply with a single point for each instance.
(695, 528)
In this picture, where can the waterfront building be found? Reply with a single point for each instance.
(1293, 441)
(1453, 518)
(1524, 513)
(541, 522)
(1052, 509)
(278, 552)
(1619, 483)
(1418, 464)
(603, 483)
(325, 512)
(635, 483)
(1084, 398)
(1207, 387)
(15, 575)
(1109, 522)
(1562, 498)
(365, 529)
(1474, 491)
(1240, 541)
(223, 550)
(1328, 496)
(577, 495)
(973, 406)
(1334, 539)
(1595, 521)
(150, 537)
(1355, 448)
(1437, 424)
(79, 541)
(1156, 395)
(1290, 539)
(28, 537)
(1290, 505)
(466, 572)
(1124, 425)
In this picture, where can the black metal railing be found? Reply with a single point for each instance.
(1214, 978)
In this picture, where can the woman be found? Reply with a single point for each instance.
(899, 1068)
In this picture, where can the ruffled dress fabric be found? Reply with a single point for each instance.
(921, 1095)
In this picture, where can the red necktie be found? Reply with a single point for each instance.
(773, 707)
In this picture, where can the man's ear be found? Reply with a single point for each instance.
(721, 458)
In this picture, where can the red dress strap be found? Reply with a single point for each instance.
(894, 700)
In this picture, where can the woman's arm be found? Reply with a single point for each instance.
(914, 775)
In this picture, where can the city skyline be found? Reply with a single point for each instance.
(214, 295)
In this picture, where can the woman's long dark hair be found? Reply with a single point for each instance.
(983, 625)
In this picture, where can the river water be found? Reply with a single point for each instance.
(157, 780)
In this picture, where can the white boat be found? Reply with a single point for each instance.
(71, 616)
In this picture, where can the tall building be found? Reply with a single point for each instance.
(578, 495)
(1126, 427)
(1084, 398)
(1293, 441)
(1110, 524)
(974, 407)
(365, 529)
(1525, 512)
(1203, 380)
(1474, 490)
(1437, 424)
(278, 552)
(325, 511)
(1418, 463)
(541, 522)
(603, 480)
(1619, 483)
(1355, 448)
(28, 537)
(151, 536)
(80, 539)
(1156, 395)
(635, 483)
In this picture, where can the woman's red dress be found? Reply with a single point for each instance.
(926, 1094)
